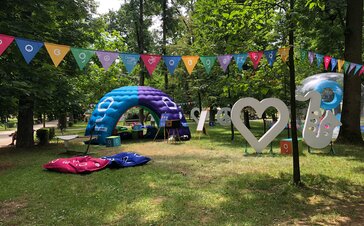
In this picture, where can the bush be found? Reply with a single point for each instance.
(43, 136)
(52, 132)
(70, 124)
(11, 124)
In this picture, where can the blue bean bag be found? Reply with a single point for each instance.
(126, 159)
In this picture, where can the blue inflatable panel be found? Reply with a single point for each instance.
(126, 159)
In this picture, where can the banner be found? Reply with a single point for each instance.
(190, 62)
(357, 68)
(303, 54)
(150, 62)
(361, 70)
(224, 61)
(5, 41)
(346, 66)
(28, 48)
(56, 52)
(340, 64)
(333, 63)
(311, 57)
(271, 56)
(82, 56)
(319, 58)
(171, 62)
(107, 58)
(208, 62)
(255, 58)
(130, 60)
(351, 67)
(240, 60)
(284, 52)
(327, 60)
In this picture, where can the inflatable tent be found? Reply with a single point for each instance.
(115, 103)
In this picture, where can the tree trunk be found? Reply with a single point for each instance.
(25, 134)
(164, 39)
(246, 118)
(350, 117)
(62, 121)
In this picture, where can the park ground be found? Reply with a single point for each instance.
(208, 180)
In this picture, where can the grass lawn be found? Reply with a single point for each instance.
(203, 181)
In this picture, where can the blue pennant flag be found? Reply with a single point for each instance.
(129, 60)
(333, 63)
(319, 58)
(240, 60)
(357, 68)
(171, 62)
(271, 56)
(28, 48)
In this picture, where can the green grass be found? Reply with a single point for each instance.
(207, 180)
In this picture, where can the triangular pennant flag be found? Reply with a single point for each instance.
(224, 61)
(190, 62)
(284, 52)
(150, 62)
(311, 57)
(303, 54)
(82, 56)
(208, 62)
(346, 67)
(361, 70)
(327, 60)
(351, 67)
(171, 62)
(28, 48)
(255, 58)
(271, 56)
(340, 64)
(107, 58)
(357, 68)
(130, 60)
(57, 52)
(333, 63)
(319, 58)
(240, 60)
(5, 41)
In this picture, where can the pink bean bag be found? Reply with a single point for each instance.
(85, 164)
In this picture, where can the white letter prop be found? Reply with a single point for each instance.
(193, 116)
(223, 117)
(260, 107)
(316, 133)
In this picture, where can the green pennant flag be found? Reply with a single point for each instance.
(82, 56)
(303, 54)
(208, 62)
(346, 66)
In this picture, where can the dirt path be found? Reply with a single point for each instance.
(5, 139)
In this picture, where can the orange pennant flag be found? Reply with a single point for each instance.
(284, 52)
(57, 52)
(190, 62)
(340, 64)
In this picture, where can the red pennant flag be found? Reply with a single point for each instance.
(5, 41)
(255, 58)
(150, 62)
(361, 70)
(327, 60)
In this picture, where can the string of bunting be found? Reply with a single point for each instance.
(29, 49)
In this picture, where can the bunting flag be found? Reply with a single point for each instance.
(319, 58)
(150, 62)
(190, 62)
(340, 64)
(240, 60)
(82, 56)
(311, 57)
(284, 52)
(255, 58)
(351, 67)
(333, 63)
(271, 56)
(303, 54)
(171, 62)
(107, 58)
(361, 70)
(327, 60)
(224, 61)
(208, 62)
(5, 41)
(346, 66)
(57, 52)
(28, 48)
(130, 60)
(357, 68)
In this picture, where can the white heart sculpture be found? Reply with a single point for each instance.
(193, 116)
(260, 107)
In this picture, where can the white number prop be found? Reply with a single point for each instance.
(202, 120)
(223, 117)
(260, 107)
(316, 133)
(193, 116)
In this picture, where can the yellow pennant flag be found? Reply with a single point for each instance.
(190, 62)
(57, 52)
(284, 52)
(340, 64)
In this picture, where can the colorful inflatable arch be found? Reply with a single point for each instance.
(115, 103)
